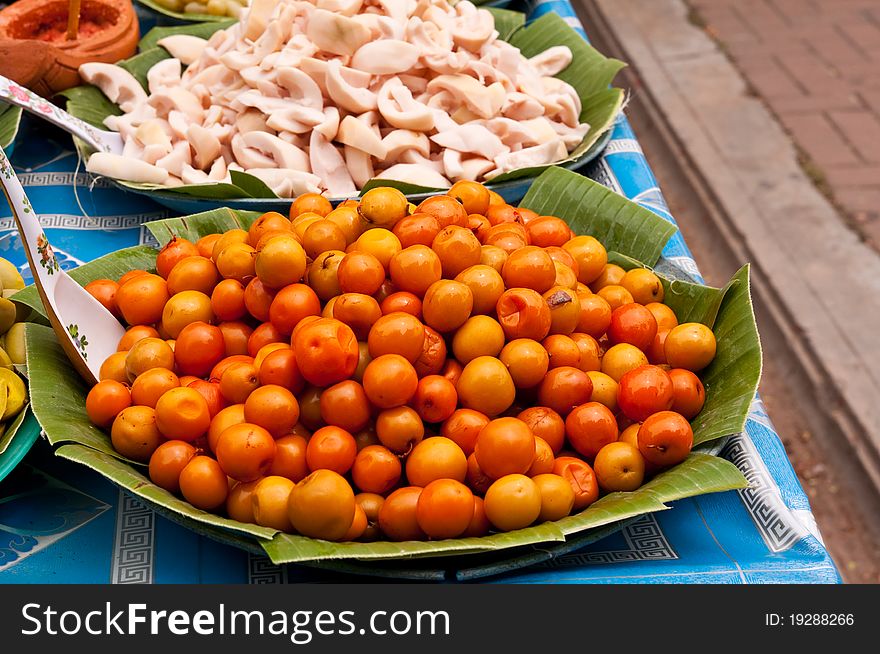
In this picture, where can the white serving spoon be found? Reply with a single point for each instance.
(99, 140)
(88, 333)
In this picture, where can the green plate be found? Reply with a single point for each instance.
(625, 227)
(20, 445)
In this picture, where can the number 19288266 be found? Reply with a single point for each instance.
(809, 620)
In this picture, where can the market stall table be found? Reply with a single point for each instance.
(63, 523)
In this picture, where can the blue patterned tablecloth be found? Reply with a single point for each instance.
(60, 522)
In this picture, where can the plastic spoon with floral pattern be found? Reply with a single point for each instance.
(88, 333)
(99, 140)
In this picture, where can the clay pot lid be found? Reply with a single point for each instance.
(101, 22)
(35, 49)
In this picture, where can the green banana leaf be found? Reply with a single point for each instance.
(140, 64)
(89, 104)
(506, 21)
(203, 30)
(591, 208)
(10, 429)
(697, 475)
(58, 395)
(732, 379)
(201, 224)
(137, 484)
(590, 73)
(10, 117)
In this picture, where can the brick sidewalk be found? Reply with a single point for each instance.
(816, 63)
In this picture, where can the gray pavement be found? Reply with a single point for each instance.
(815, 282)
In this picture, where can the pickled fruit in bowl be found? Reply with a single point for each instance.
(13, 391)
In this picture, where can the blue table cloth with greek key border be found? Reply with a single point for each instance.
(62, 523)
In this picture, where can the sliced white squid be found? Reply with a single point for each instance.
(218, 171)
(475, 168)
(238, 60)
(473, 27)
(302, 88)
(385, 57)
(249, 157)
(272, 39)
(205, 146)
(488, 74)
(155, 132)
(464, 115)
(396, 104)
(359, 135)
(213, 115)
(561, 99)
(283, 153)
(415, 174)
(178, 123)
(131, 149)
(504, 57)
(381, 27)
(316, 68)
(343, 7)
(336, 33)
(251, 120)
(174, 161)
(165, 73)
(415, 83)
(552, 61)
(152, 153)
(537, 155)
(401, 140)
(452, 164)
(284, 121)
(352, 98)
(448, 63)
(287, 183)
(268, 105)
(485, 101)
(439, 16)
(191, 175)
(185, 47)
(258, 17)
(397, 10)
(442, 120)
(177, 98)
(329, 165)
(330, 126)
(115, 82)
(434, 162)
(571, 136)
(299, 140)
(120, 167)
(216, 76)
(429, 38)
(471, 138)
(520, 106)
(442, 100)
(359, 164)
(254, 76)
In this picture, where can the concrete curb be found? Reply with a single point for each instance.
(819, 284)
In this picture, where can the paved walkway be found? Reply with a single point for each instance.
(750, 200)
(816, 63)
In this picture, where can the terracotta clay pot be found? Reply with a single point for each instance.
(35, 53)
